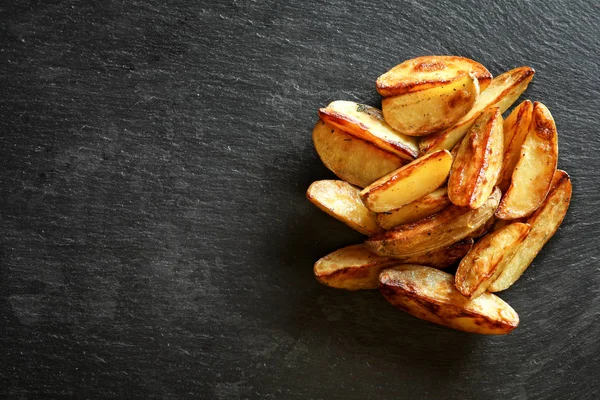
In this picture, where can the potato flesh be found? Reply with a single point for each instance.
(342, 201)
(408, 183)
(478, 161)
(429, 294)
(430, 110)
(502, 93)
(486, 260)
(420, 208)
(544, 224)
(532, 176)
(440, 230)
(351, 159)
(516, 127)
(425, 72)
(367, 123)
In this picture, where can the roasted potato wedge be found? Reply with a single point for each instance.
(502, 93)
(352, 268)
(544, 224)
(429, 294)
(440, 230)
(478, 161)
(408, 183)
(486, 260)
(420, 208)
(431, 110)
(516, 127)
(532, 176)
(356, 268)
(342, 201)
(425, 72)
(351, 159)
(367, 123)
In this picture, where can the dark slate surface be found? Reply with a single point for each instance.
(156, 242)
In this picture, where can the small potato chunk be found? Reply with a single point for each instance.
(367, 123)
(544, 224)
(431, 110)
(420, 208)
(533, 173)
(516, 127)
(351, 268)
(425, 72)
(486, 260)
(429, 294)
(440, 230)
(342, 201)
(408, 183)
(351, 159)
(502, 93)
(478, 161)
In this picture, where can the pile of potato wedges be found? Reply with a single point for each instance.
(439, 179)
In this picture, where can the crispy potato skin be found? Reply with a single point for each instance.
(367, 123)
(342, 201)
(478, 161)
(502, 93)
(430, 294)
(408, 183)
(532, 176)
(420, 208)
(431, 110)
(441, 258)
(544, 224)
(486, 260)
(516, 127)
(425, 72)
(351, 159)
(440, 230)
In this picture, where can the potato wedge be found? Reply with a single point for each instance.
(342, 201)
(485, 228)
(429, 294)
(544, 224)
(431, 110)
(351, 268)
(478, 161)
(532, 176)
(351, 159)
(367, 123)
(486, 260)
(440, 230)
(502, 93)
(516, 127)
(356, 268)
(420, 208)
(408, 183)
(429, 71)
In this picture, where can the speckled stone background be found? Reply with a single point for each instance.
(155, 241)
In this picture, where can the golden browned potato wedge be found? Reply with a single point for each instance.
(431, 110)
(478, 161)
(486, 260)
(356, 268)
(351, 268)
(367, 123)
(544, 224)
(516, 127)
(440, 230)
(429, 71)
(342, 201)
(533, 173)
(420, 208)
(502, 93)
(485, 228)
(408, 183)
(429, 294)
(353, 160)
